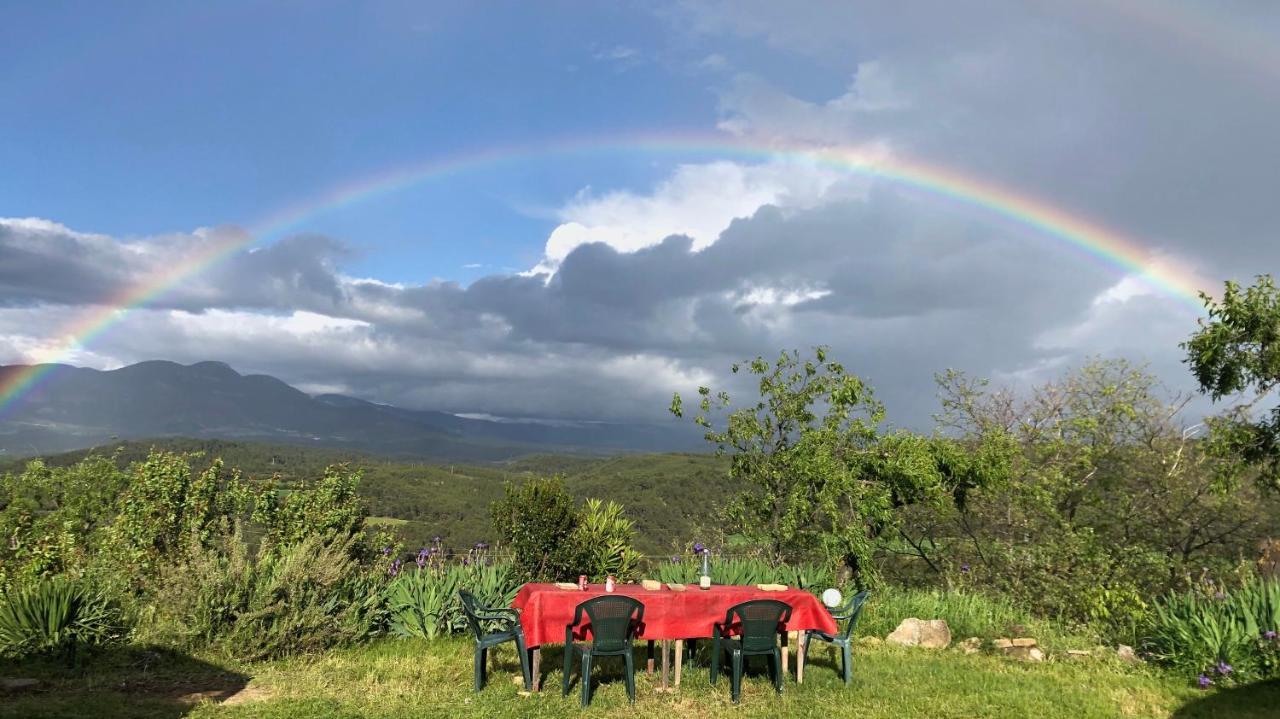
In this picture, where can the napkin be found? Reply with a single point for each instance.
(771, 587)
(567, 585)
(675, 587)
(651, 585)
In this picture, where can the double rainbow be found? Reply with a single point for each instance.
(1125, 254)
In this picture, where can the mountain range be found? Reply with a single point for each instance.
(78, 407)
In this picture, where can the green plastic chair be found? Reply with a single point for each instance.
(844, 639)
(759, 623)
(508, 627)
(614, 621)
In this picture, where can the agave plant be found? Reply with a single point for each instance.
(55, 616)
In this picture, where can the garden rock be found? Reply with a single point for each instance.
(1125, 653)
(930, 634)
(972, 645)
(1079, 653)
(1026, 654)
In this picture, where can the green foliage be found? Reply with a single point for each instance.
(746, 571)
(536, 519)
(552, 538)
(1238, 350)
(423, 601)
(296, 599)
(601, 542)
(55, 616)
(823, 479)
(332, 508)
(1209, 629)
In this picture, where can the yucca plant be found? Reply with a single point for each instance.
(423, 602)
(55, 616)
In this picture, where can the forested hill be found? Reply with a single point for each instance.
(75, 407)
(671, 497)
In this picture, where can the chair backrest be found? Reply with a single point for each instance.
(853, 610)
(469, 608)
(614, 621)
(761, 620)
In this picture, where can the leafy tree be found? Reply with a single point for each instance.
(536, 519)
(823, 478)
(331, 509)
(1237, 351)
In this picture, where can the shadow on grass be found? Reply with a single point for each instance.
(1253, 700)
(149, 682)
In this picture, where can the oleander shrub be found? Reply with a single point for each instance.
(55, 616)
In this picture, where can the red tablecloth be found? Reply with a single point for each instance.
(545, 609)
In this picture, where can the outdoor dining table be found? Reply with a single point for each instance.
(669, 616)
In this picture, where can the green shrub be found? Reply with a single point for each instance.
(1227, 634)
(601, 542)
(535, 520)
(967, 613)
(422, 601)
(55, 616)
(303, 598)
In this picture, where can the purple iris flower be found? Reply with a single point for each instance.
(394, 569)
(1224, 668)
(481, 546)
(1204, 681)
(386, 551)
(436, 539)
(675, 559)
(1269, 634)
(698, 548)
(964, 568)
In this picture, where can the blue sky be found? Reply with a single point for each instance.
(591, 285)
(145, 118)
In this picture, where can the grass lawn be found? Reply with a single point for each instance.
(419, 679)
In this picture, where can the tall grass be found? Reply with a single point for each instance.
(746, 571)
(967, 613)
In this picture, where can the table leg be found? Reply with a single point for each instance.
(537, 668)
(649, 665)
(666, 658)
(679, 660)
(786, 650)
(801, 646)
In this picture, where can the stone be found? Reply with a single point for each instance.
(1079, 653)
(18, 685)
(1125, 653)
(972, 645)
(1002, 644)
(913, 632)
(1024, 642)
(1026, 654)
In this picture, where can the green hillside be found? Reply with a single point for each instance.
(671, 497)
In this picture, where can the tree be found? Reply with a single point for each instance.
(1237, 351)
(822, 477)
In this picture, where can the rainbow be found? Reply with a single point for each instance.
(1023, 209)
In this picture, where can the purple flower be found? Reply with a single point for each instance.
(1204, 682)
(964, 568)
(466, 562)
(1269, 634)
(436, 539)
(423, 554)
(675, 559)
(481, 546)
(698, 548)
(1224, 668)
(386, 551)
(394, 569)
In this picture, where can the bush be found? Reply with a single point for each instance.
(968, 614)
(307, 597)
(422, 601)
(1227, 636)
(601, 543)
(55, 616)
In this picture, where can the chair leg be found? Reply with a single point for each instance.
(479, 667)
(524, 662)
(775, 662)
(735, 682)
(847, 662)
(568, 669)
(715, 660)
(586, 679)
(631, 677)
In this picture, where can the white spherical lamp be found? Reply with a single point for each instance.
(832, 597)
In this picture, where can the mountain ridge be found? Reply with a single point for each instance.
(80, 407)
